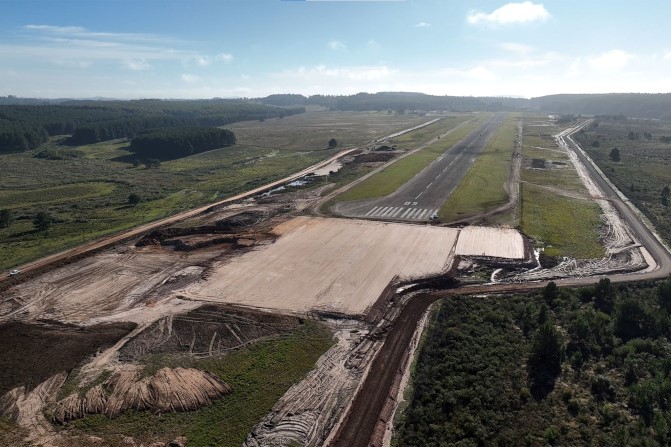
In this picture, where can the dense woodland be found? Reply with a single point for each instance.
(24, 127)
(632, 105)
(166, 144)
(26, 123)
(561, 367)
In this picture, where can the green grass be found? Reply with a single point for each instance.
(565, 226)
(481, 189)
(88, 195)
(259, 376)
(56, 194)
(391, 178)
(564, 177)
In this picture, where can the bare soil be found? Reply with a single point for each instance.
(331, 265)
(32, 353)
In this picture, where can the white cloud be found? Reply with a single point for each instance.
(224, 57)
(667, 56)
(337, 45)
(136, 64)
(190, 78)
(422, 25)
(358, 73)
(516, 48)
(525, 12)
(611, 60)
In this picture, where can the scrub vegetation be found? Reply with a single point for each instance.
(579, 367)
(642, 171)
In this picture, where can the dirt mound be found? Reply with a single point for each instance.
(374, 157)
(244, 219)
(192, 238)
(206, 331)
(168, 390)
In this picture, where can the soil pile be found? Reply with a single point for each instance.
(168, 390)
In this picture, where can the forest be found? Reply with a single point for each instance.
(628, 104)
(579, 367)
(25, 127)
(167, 144)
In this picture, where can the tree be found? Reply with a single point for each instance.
(665, 195)
(604, 296)
(595, 143)
(664, 294)
(133, 199)
(5, 218)
(42, 221)
(544, 364)
(550, 293)
(332, 143)
(615, 154)
(633, 321)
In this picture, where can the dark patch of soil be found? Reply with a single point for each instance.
(538, 163)
(31, 353)
(373, 157)
(244, 219)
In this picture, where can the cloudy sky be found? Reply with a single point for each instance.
(238, 48)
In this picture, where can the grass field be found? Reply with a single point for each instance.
(481, 188)
(564, 226)
(548, 210)
(391, 178)
(259, 376)
(645, 166)
(88, 195)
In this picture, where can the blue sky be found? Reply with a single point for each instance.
(246, 48)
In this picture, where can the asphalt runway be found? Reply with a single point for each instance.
(422, 196)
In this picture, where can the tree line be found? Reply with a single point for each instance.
(166, 144)
(24, 127)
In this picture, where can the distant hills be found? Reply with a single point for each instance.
(635, 105)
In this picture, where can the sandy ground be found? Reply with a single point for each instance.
(490, 242)
(327, 264)
(99, 286)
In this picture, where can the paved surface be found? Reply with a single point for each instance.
(425, 193)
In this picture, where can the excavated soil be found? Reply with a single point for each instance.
(32, 353)
(169, 390)
(206, 331)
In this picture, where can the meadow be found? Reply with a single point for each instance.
(85, 190)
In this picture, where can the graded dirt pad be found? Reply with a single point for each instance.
(32, 353)
(327, 264)
(490, 242)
